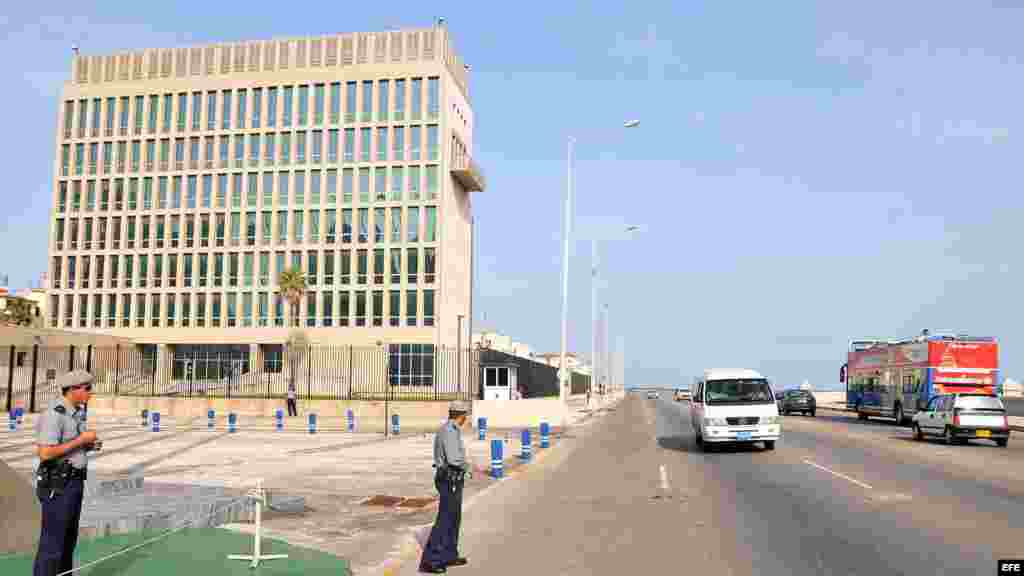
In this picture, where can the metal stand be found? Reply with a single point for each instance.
(255, 558)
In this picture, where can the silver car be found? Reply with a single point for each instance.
(958, 418)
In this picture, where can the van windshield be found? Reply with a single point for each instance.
(738, 391)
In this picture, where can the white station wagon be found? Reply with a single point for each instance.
(961, 417)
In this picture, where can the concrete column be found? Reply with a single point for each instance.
(254, 355)
(164, 367)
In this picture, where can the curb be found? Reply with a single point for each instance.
(1013, 427)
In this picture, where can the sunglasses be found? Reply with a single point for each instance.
(86, 387)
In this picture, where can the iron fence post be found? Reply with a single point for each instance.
(35, 368)
(10, 382)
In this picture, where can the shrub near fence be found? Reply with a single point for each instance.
(395, 372)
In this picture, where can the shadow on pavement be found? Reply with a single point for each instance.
(937, 440)
(689, 444)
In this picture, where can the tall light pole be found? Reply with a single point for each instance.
(563, 370)
(563, 373)
(599, 331)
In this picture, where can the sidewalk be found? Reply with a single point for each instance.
(361, 491)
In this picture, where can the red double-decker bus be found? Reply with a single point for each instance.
(896, 378)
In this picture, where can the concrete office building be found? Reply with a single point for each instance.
(186, 179)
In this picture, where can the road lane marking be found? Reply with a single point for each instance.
(834, 473)
(664, 479)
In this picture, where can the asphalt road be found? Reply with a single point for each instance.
(1014, 406)
(837, 496)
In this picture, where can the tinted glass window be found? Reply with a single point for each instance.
(979, 403)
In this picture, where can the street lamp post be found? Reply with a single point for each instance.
(563, 373)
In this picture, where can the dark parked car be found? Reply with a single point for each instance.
(798, 401)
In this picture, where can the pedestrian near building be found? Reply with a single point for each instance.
(292, 410)
(62, 444)
(452, 467)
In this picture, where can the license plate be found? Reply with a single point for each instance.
(743, 435)
(984, 433)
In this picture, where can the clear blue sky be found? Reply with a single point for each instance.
(806, 173)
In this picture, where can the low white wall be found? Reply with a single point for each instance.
(527, 413)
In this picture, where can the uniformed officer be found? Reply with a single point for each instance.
(442, 548)
(61, 446)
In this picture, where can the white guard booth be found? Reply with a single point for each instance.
(499, 381)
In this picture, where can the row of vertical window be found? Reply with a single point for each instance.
(326, 309)
(381, 144)
(251, 108)
(251, 189)
(328, 268)
(395, 225)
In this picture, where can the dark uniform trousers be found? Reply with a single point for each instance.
(60, 518)
(443, 544)
(292, 410)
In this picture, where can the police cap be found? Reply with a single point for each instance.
(74, 378)
(458, 408)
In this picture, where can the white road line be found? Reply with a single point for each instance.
(664, 479)
(834, 473)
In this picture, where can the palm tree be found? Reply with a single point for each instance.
(292, 284)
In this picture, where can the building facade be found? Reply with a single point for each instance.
(187, 179)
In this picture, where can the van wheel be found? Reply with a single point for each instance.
(769, 444)
(900, 417)
(1001, 442)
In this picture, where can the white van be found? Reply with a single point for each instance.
(734, 405)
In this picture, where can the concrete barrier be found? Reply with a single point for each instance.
(527, 413)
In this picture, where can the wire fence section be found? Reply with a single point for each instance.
(424, 372)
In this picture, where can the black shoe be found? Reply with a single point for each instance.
(460, 561)
(432, 569)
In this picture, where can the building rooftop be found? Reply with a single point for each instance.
(226, 59)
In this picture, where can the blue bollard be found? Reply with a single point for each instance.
(312, 423)
(210, 417)
(525, 456)
(232, 422)
(13, 423)
(395, 428)
(145, 417)
(19, 413)
(351, 421)
(279, 420)
(481, 424)
(497, 458)
(545, 436)
(156, 421)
